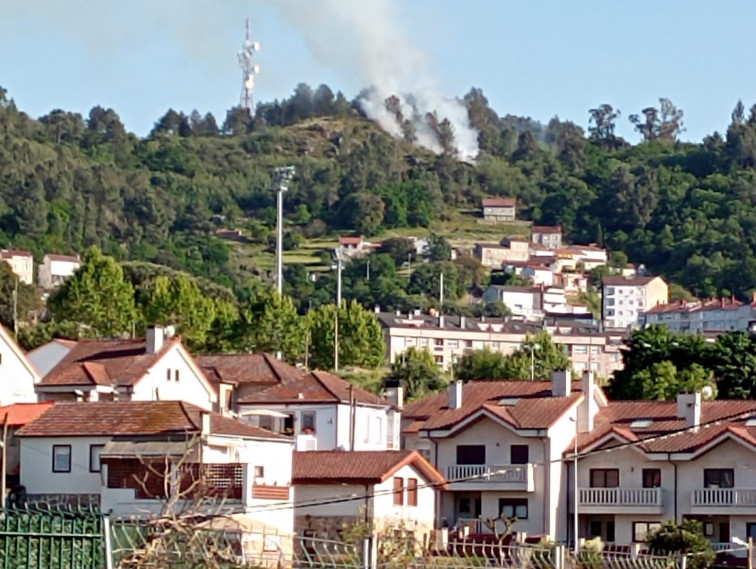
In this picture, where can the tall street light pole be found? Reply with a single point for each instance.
(281, 178)
(337, 253)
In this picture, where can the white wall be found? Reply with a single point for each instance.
(155, 386)
(370, 428)
(47, 356)
(561, 434)
(16, 380)
(419, 518)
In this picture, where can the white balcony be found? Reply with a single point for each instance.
(491, 477)
(740, 500)
(607, 500)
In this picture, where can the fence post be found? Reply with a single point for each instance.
(559, 556)
(683, 561)
(108, 542)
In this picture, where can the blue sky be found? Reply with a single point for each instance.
(537, 58)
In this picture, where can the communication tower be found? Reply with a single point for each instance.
(249, 70)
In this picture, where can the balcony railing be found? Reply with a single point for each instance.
(724, 497)
(475, 524)
(620, 496)
(512, 473)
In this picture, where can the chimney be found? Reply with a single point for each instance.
(441, 321)
(377, 309)
(455, 395)
(394, 395)
(462, 322)
(155, 337)
(561, 382)
(588, 408)
(689, 408)
(205, 420)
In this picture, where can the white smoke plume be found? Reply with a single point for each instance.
(364, 38)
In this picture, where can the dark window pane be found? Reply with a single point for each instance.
(519, 454)
(471, 454)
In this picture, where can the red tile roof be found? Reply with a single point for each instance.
(134, 418)
(22, 413)
(10, 253)
(350, 239)
(684, 306)
(499, 202)
(64, 258)
(246, 368)
(358, 467)
(546, 229)
(530, 405)
(724, 416)
(619, 280)
(105, 362)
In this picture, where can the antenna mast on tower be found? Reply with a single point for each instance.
(249, 70)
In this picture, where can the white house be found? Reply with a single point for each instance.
(523, 301)
(499, 209)
(549, 236)
(21, 263)
(116, 455)
(500, 444)
(324, 411)
(700, 316)
(624, 299)
(17, 374)
(155, 368)
(538, 274)
(385, 490)
(55, 269)
(705, 471)
(16, 416)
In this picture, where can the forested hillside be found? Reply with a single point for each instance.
(687, 211)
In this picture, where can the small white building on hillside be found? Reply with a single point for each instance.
(385, 490)
(155, 368)
(17, 375)
(55, 269)
(21, 263)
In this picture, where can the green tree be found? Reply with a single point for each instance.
(417, 372)
(663, 381)
(96, 296)
(179, 302)
(544, 355)
(360, 337)
(732, 359)
(439, 248)
(482, 364)
(685, 538)
(270, 323)
(28, 302)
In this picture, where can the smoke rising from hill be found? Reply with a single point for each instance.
(365, 40)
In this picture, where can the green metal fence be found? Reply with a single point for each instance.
(38, 538)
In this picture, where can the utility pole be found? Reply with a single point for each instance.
(339, 263)
(441, 292)
(575, 490)
(367, 274)
(15, 310)
(281, 178)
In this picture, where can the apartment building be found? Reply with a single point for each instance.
(668, 460)
(500, 444)
(450, 337)
(625, 299)
(702, 316)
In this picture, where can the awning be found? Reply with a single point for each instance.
(265, 412)
(131, 449)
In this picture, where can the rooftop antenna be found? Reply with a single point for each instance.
(249, 70)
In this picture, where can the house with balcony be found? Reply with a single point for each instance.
(499, 209)
(155, 368)
(137, 458)
(500, 446)
(549, 236)
(388, 490)
(645, 462)
(322, 410)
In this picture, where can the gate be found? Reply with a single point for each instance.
(35, 538)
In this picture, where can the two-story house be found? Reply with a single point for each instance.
(155, 368)
(702, 316)
(21, 263)
(55, 269)
(497, 255)
(646, 462)
(624, 299)
(387, 490)
(17, 374)
(322, 410)
(499, 209)
(141, 458)
(500, 445)
(549, 236)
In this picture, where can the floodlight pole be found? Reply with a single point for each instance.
(281, 178)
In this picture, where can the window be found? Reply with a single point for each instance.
(471, 454)
(604, 478)
(579, 349)
(308, 422)
(423, 341)
(519, 454)
(378, 430)
(495, 346)
(751, 530)
(438, 343)
(642, 529)
(61, 458)
(259, 471)
(409, 341)
(398, 491)
(424, 452)
(514, 507)
(176, 375)
(266, 422)
(168, 375)
(94, 458)
(719, 478)
(468, 344)
(595, 349)
(366, 437)
(412, 491)
(651, 478)
(452, 343)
